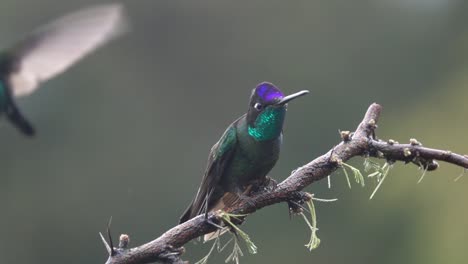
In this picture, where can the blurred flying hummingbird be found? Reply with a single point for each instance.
(246, 152)
(51, 50)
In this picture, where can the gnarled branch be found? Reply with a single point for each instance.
(168, 247)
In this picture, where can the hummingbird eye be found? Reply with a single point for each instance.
(258, 106)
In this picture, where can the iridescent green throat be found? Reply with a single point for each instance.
(268, 124)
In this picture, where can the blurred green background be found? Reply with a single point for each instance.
(126, 132)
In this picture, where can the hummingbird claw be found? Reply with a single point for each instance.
(267, 184)
(270, 184)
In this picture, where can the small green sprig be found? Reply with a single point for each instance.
(227, 219)
(380, 172)
(424, 168)
(216, 244)
(314, 241)
(357, 174)
(236, 253)
(461, 175)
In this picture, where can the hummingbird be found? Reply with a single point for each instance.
(246, 152)
(50, 50)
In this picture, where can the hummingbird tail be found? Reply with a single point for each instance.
(18, 120)
(187, 215)
(220, 205)
(198, 206)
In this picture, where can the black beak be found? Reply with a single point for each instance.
(290, 97)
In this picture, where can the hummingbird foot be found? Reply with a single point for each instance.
(267, 184)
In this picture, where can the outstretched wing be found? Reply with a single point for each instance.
(220, 155)
(55, 47)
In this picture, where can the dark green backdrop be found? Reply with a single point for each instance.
(126, 132)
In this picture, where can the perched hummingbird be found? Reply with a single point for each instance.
(246, 152)
(51, 50)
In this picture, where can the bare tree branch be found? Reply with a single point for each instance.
(168, 247)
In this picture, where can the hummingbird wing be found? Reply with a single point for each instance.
(55, 47)
(220, 155)
(16, 118)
